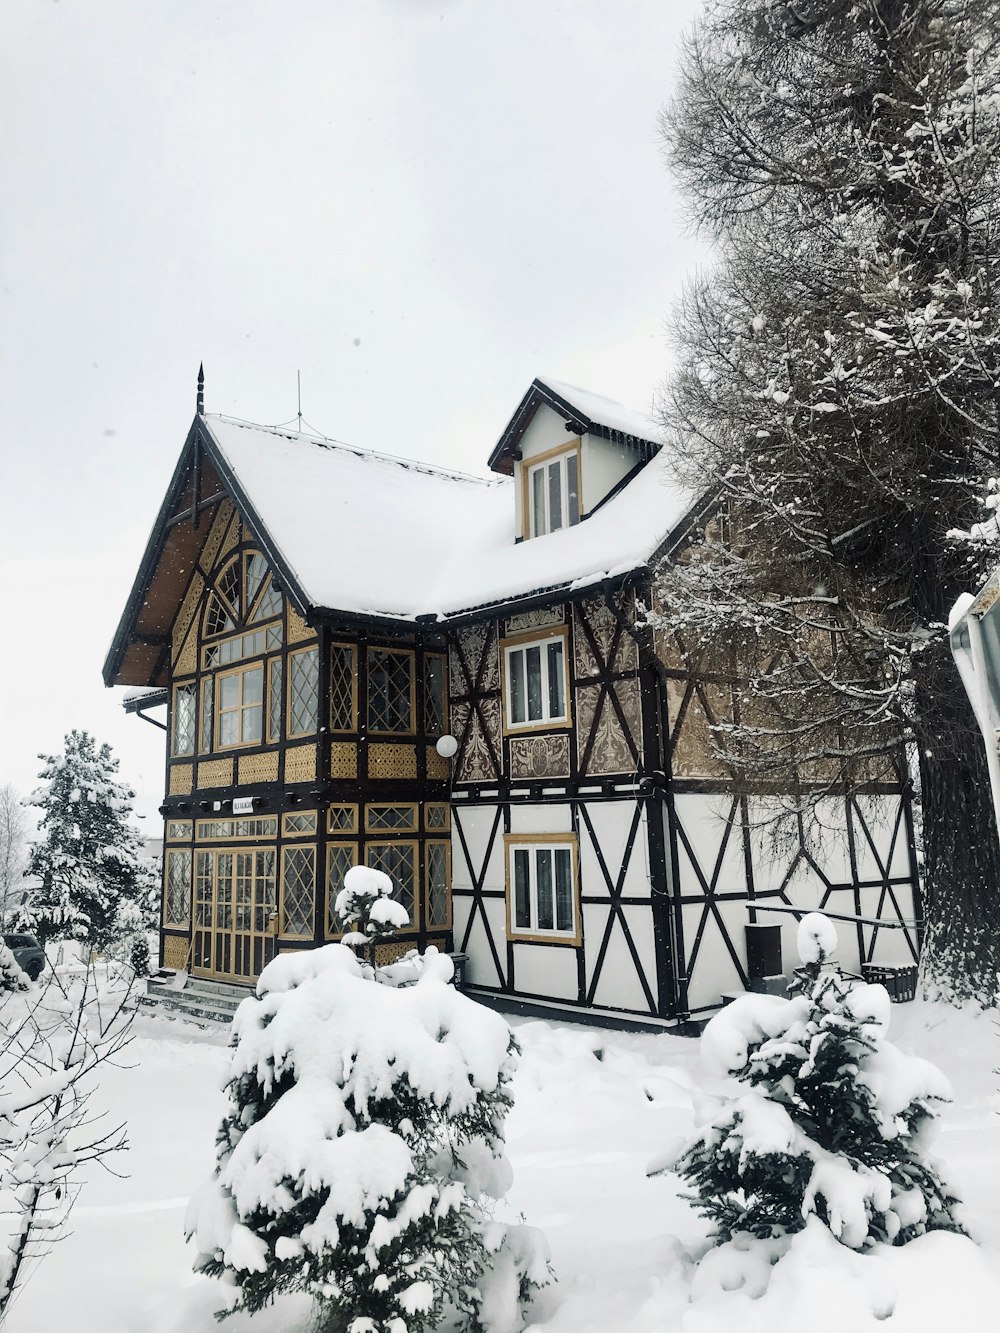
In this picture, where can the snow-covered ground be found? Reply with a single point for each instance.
(593, 1107)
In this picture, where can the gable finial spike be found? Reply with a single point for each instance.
(200, 402)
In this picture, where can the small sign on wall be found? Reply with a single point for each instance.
(242, 805)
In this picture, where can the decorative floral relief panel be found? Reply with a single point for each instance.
(611, 751)
(539, 619)
(539, 756)
(603, 626)
(475, 762)
(473, 642)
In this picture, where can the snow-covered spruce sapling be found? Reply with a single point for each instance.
(361, 1149)
(366, 905)
(831, 1119)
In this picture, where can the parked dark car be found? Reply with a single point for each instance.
(28, 954)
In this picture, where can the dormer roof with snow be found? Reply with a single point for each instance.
(354, 535)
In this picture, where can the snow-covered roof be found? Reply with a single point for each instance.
(601, 411)
(585, 412)
(361, 532)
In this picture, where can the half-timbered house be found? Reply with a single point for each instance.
(317, 617)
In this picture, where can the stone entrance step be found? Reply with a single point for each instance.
(196, 998)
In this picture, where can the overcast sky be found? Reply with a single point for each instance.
(419, 206)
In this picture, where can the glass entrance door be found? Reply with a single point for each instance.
(235, 901)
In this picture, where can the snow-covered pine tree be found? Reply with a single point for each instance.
(360, 1152)
(88, 856)
(831, 1119)
(837, 391)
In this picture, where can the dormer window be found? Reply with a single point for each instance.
(553, 491)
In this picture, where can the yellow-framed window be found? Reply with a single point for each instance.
(398, 860)
(551, 494)
(340, 856)
(343, 687)
(342, 819)
(435, 694)
(177, 889)
(536, 681)
(275, 676)
(303, 691)
(299, 823)
(178, 830)
(437, 884)
(240, 707)
(207, 714)
(298, 892)
(248, 826)
(437, 816)
(385, 818)
(182, 734)
(543, 888)
(391, 691)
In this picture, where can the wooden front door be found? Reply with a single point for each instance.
(235, 899)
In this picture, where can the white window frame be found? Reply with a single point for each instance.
(533, 846)
(566, 517)
(512, 668)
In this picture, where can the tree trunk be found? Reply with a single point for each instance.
(961, 953)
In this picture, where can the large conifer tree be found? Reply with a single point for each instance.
(88, 855)
(836, 389)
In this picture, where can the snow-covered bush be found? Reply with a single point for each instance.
(365, 903)
(831, 1120)
(52, 1039)
(360, 1152)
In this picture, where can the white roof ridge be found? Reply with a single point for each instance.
(359, 450)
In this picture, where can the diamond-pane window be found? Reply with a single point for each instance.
(274, 677)
(228, 586)
(269, 606)
(256, 573)
(342, 819)
(343, 675)
(398, 860)
(207, 696)
(340, 856)
(438, 884)
(436, 817)
(298, 890)
(303, 692)
(177, 891)
(217, 618)
(391, 818)
(435, 707)
(184, 700)
(293, 825)
(390, 690)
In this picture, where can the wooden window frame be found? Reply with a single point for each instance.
(398, 652)
(294, 850)
(528, 465)
(273, 664)
(289, 815)
(184, 824)
(190, 689)
(429, 828)
(529, 639)
(206, 717)
(354, 847)
(170, 856)
(396, 843)
(352, 648)
(537, 840)
(268, 834)
(446, 844)
(403, 829)
(445, 702)
(221, 674)
(299, 652)
(339, 832)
